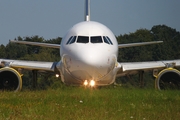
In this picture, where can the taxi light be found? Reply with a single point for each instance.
(92, 83)
(85, 82)
(57, 75)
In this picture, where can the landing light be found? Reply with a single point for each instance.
(92, 83)
(57, 75)
(85, 82)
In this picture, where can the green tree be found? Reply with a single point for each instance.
(2, 51)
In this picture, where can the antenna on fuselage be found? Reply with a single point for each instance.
(87, 10)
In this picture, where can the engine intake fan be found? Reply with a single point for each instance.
(10, 79)
(168, 79)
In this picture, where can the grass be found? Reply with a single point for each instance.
(76, 103)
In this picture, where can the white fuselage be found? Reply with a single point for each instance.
(88, 52)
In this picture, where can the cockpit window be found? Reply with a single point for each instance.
(71, 40)
(107, 40)
(93, 39)
(83, 39)
(96, 39)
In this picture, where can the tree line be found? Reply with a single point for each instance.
(167, 50)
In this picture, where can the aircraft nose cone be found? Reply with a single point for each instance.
(98, 59)
(90, 64)
(91, 59)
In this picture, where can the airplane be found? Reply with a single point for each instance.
(89, 52)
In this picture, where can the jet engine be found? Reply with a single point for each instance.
(168, 79)
(10, 79)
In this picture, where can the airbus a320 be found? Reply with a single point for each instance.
(89, 53)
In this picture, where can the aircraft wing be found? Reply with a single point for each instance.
(135, 67)
(138, 44)
(29, 65)
(36, 43)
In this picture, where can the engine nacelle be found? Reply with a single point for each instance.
(168, 79)
(10, 79)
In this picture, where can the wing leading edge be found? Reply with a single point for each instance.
(58, 46)
(29, 65)
(36, 44)
(134, 67)
(138, 44)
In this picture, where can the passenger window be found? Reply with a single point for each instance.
(96, 39)
(83, 39)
